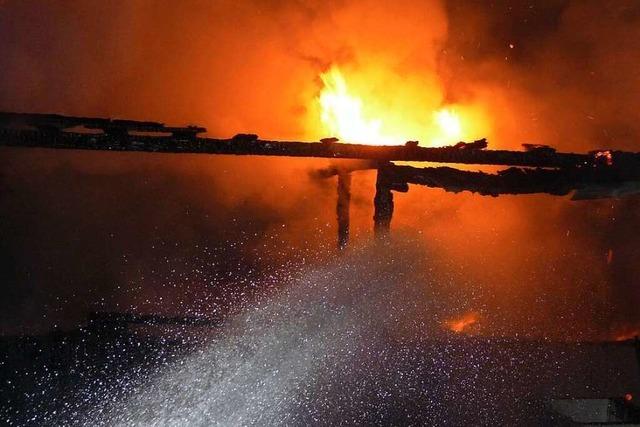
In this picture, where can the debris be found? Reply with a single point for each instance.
(538, 148)
(480, 144)
(329, 140)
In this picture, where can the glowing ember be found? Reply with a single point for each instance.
(604, 157)
(627, 334)
(459, 325)
(349, 117)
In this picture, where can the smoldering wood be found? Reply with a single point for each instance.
(342, 208)
(26, 130)
(59, 122)
(382, 206)
(586, 182)
(231, 146)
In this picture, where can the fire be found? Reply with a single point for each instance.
(389, 117)
(449, 123)
(342, 116)
(459, 325)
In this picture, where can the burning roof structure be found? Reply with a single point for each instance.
(536, 169)
(168, 237)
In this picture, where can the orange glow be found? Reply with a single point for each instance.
(627, 335)
(459, 325)
(393, 116)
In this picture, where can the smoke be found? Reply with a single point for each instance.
(560, 73)
(565, 70)
(83, 240)
(88, 231)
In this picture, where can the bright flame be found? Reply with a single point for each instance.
(341, 113)
(462, 323)
(390, 117)
(449, 123)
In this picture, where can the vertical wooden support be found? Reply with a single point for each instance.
(383, 206)
(342, 208)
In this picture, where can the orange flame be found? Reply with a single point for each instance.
(375, 120)
(342, 116)
(459, 325)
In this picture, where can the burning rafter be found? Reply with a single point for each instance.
(48, 131)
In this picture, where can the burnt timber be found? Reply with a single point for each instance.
(537, 169)
(48, 131)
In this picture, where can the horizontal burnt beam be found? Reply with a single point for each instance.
(590, 182)
(48, 131)
(256, 147)
(245, 145)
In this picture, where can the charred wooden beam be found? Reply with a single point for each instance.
(342, 208)
(60, 122)
(386, 182)
(112, 141)
(383, 208)
(540, 169)
(588, 183)
(22, 131)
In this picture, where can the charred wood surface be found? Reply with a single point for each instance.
(553, 172)
(587, 182)
(342, 208)
(48, 131)
(257, 147)
(383, 205)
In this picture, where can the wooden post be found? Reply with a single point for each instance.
(383, 207)
(342, 208)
